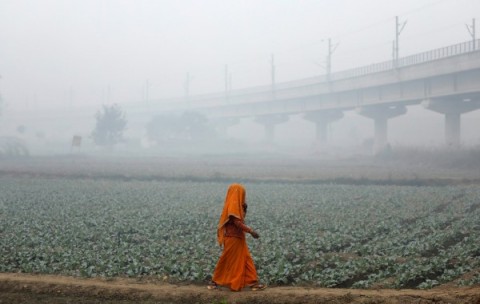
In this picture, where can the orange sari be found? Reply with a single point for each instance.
(235, 268)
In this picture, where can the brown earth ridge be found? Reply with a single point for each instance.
(27, 288)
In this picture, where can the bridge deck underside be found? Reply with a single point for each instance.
(456, 86)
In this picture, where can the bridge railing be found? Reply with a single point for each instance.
(449, 51)
(452, 50)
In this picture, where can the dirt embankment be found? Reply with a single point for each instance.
(22, 288)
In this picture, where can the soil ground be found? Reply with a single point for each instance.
(25, 288)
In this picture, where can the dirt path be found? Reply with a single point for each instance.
(22, 288)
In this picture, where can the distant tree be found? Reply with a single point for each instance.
(196, 125)
(163, 128)
(188, 126)
(111, 123)
(12, 147)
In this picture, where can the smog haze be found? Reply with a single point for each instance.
(61, 61)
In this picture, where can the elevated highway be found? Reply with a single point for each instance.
(445, 80)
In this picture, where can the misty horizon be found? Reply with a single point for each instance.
(63, 60)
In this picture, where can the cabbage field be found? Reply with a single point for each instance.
(330, 235)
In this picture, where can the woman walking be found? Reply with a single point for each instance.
(235, 268)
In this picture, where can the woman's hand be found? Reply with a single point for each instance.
(254, 234)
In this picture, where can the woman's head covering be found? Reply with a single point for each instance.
(233, 206)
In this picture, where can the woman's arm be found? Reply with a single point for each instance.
(239, 224)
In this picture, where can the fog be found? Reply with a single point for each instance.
(61, 61)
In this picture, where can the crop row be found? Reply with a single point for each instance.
(325, 235)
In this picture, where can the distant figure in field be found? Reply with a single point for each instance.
(235, 267)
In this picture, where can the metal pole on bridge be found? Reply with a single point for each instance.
(273, 76)
(147, 91)
(188, 80)
(398, 30)
(228, 82)
(471, 30)
(329, 57)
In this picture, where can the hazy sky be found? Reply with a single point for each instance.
(93, 51)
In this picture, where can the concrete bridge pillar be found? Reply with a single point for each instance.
(269, 122)
(322, 120)
(452, 111)
(380, 115)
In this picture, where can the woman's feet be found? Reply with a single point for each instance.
(212, 286)
(258, 287)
